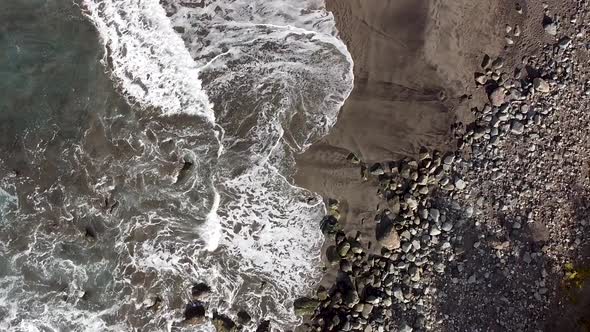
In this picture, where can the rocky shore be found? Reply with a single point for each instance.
(487, 236)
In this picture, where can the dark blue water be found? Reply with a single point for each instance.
(49, 68)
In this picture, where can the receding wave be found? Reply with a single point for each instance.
(192, 184)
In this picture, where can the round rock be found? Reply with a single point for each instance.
(498, 96)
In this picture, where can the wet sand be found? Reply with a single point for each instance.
(414, 64)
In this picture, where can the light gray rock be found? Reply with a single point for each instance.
(498, 63)
(550, 28)
(469, 211)
(498, 96)
(358, 307)
(406, 235)
(480, 78)
(565, 42)
(449, 159)
(434, 214)
(447, 226)
(387, 236)
(434, 231)
(405, 328)
(423, 190)
(460, 184)
(343, 248)
(541, 85)
(516, 127)
(423, 213)
(517, 30)
(406, 247)
(367, 309)
(412, 203)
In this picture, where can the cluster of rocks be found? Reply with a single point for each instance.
(413, 236)
(523, 152)
(496, 249)
(527, 153)
(195, 313)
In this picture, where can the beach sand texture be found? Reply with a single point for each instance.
(414, 64)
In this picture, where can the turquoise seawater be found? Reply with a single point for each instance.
(50, 74)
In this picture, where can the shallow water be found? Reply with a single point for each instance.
(111, 203)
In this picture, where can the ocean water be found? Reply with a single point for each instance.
(148, 145)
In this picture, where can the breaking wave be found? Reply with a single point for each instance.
(191, 184)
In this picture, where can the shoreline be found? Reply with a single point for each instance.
(388, 126)
(400, 102)
(391, 114)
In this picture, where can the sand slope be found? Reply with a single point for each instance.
(414, 59)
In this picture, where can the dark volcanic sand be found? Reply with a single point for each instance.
(414, 60)
(414, 66)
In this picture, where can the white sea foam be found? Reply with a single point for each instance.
(277, 75)
(147, 58)
(6, 201)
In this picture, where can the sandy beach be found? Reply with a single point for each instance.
(414, 65)
(424, 73)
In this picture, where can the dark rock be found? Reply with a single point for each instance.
(184, 172)
(332, 255)
(243, 317)
(485, 63)
(264, 326)
(345, 266)
(565, 42)
(351, 297)
(376, 170)
(329, 225)
(90, 233)
(223, 323)
(194, 313)
(201, 292)
(343, 248)
(353, 158)
(322, 293)
(305, 306)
